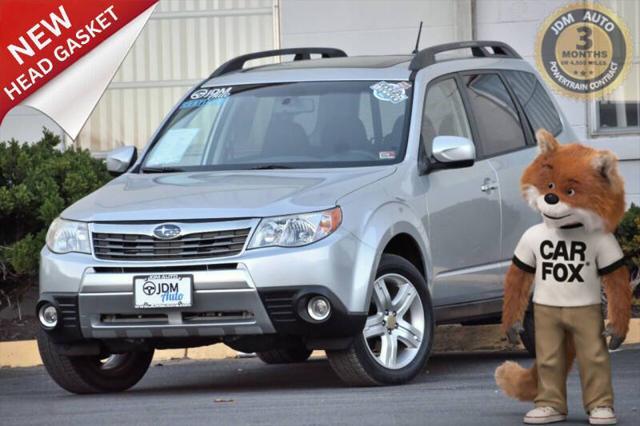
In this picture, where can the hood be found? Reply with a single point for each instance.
(221, 194)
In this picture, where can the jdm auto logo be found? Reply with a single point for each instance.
(148, 288)
(167, 231)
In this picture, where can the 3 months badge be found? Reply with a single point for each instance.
(584, 50)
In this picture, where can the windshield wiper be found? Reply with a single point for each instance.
(270, 167)
(161, 169)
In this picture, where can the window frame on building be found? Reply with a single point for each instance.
(593, 118)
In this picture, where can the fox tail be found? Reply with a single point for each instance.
(516, 381)
(521, 383)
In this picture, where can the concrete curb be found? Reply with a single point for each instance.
(24, 353)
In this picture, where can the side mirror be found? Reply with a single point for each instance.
(453, 152)
(120, 159)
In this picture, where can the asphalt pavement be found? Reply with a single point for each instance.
(456, 389)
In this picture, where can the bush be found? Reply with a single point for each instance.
(628, 235)
(37, 181)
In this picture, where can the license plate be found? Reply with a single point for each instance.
(162, 291)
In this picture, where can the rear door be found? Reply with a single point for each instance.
(463, 204)
(536, 111)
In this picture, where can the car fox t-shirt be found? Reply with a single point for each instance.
(567, 263)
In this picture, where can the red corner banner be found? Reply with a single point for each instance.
(41, 38)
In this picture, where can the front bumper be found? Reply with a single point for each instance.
(233, 296)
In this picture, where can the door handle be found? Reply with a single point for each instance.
(488, 185)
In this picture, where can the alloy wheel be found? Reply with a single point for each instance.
(394, 329)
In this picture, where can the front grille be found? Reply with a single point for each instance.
(187, 317)
(140, 319)
(208, 317)
(110, 246)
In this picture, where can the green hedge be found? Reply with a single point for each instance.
(37, 182)
(628, 235)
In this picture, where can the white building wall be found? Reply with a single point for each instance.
(183, 42)
(517, 23)
(373, 27)
(186, 39)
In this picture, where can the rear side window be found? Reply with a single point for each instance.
(444, 113)
(496, 115)
(535, 101)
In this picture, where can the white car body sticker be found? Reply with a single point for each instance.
(201, 97)
(391, 92)
(216, 93)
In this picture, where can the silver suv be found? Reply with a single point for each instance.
(347, 204)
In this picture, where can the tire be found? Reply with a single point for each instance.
(90, 374)
(366, 362)
(528, 336)
(285, 356)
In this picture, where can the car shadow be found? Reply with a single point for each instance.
(251, 375)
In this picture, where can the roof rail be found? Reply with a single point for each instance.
(301, 53)
(427, 56)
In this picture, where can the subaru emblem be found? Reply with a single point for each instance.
(167, 231)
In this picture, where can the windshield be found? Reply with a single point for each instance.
(285, 125)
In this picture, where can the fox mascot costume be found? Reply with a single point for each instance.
(567, 259)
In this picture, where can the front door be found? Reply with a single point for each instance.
(464, 207)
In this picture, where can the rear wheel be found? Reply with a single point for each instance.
(93, 374)
(285, 356)
(396, 341)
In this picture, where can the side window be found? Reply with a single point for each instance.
(535, 101)
(499, 126)
(444, 113)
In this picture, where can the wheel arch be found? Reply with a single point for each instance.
(405, 246)
(400, 238)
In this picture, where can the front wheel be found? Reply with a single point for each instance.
(397, 338)
(93, 374)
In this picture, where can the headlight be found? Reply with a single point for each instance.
(65, 236)
(296, 230)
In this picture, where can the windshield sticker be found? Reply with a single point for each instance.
(195, 103)
(218, 92)
(201, 97)
(172, 146)
(387, 155)
(391, 92)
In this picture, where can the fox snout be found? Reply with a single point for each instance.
(551, 198)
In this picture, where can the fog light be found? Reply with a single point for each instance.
(319, 308)
(48, 315)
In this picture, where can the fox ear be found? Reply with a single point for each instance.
(546, 142)
(605, 163)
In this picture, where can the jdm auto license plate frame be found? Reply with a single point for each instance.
(149, 291)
